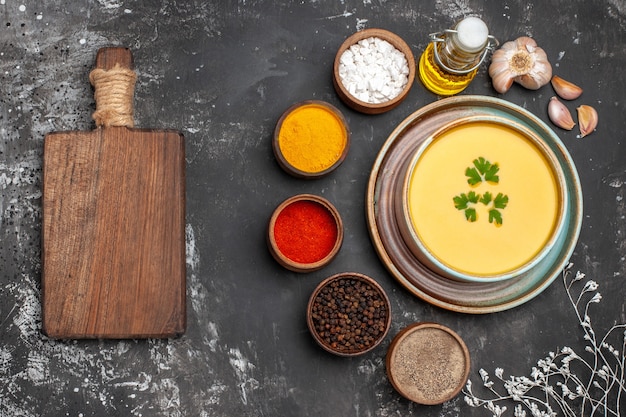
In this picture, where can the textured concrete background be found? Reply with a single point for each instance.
(222, 72)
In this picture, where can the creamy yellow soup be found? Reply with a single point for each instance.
(473, 233)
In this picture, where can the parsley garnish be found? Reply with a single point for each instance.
(495, 217)
(482, 171)
(501, 201)
(463, 201)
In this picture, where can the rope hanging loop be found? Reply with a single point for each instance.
(113, 92)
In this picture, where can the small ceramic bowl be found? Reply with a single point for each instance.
(312, 147)
(364, 106)
(499, 225)
(348, 314)
(428, 363)
(305, 233)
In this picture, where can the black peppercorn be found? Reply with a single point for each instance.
(349, 315)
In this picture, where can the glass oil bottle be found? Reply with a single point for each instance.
(452, 58)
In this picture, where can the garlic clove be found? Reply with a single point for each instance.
(565, 89)
(536, 78)
(587, 119)
(499, 71)
(560, 115)
(502, 81)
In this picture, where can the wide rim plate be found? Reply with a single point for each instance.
(388, 169)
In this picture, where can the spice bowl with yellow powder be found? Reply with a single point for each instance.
(311, 139)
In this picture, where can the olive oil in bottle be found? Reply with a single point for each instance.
(452, 58)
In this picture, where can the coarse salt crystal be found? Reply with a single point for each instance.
(373, 70)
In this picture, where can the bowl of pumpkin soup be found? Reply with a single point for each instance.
(410, 258)
(481, 200)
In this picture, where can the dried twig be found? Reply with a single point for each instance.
(565, 383)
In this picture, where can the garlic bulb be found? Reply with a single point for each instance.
(520, 61)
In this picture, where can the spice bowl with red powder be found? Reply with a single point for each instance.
(305, 233)
(349, 314)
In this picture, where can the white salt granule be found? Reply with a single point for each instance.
(373, 70)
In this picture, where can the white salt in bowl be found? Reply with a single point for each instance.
(392, 79)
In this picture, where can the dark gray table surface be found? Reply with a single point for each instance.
(222, 73)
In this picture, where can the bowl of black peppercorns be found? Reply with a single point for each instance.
(349, 314)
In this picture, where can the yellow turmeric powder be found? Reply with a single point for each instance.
(312, 138)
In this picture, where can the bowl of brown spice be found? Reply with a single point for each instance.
(428, 363)
(348, 314)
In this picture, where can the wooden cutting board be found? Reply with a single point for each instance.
(113, 238)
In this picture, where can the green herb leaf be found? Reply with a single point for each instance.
(473, 177)
(486, 198)
(460, 201)
(470, 214)
(501, 201)
(483, 170)
(492, 174)
(482, 165)
(495, 216)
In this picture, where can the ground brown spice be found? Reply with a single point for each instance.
(428, 365)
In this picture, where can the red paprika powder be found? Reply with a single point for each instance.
(305, 231)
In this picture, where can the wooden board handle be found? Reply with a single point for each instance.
(107, 58)
(113, 80)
